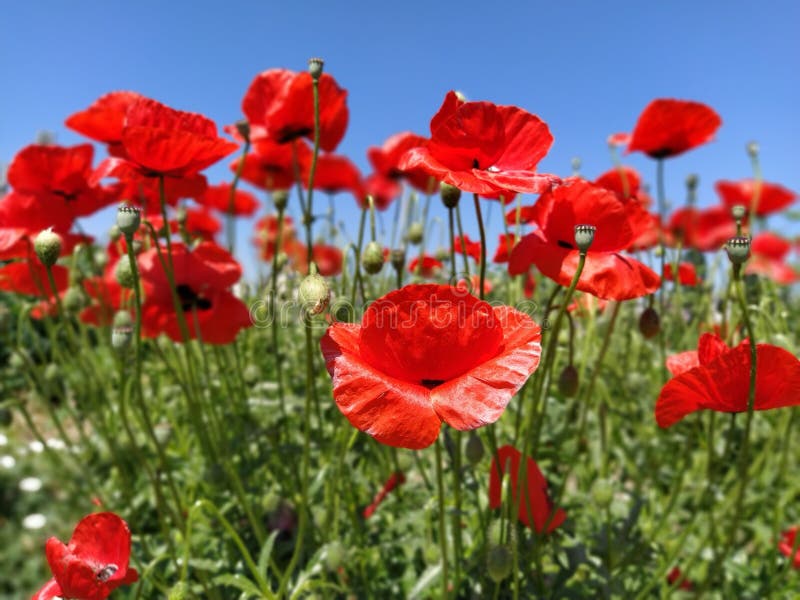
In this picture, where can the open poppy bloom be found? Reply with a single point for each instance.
(270, 166)
(706, 230)
(93, 564)
(687, 273)
(768, 197)
(788, 543)
(218, 197)
(463, 245)
(386, 161)
(607, 273)
(484, 148)
(104, 119)
(279, 105)
(669, 127)
(535, 501)
(505, 243)
(429, 353)
(768, 258)
(717, 377)
(427, 267)
(334, 173)
(202, 279)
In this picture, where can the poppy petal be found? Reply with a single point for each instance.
(50, 590)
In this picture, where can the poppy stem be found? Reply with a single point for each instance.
(357, 276)
(483, 243)
(662, 215)
(273, 296)
(442, 520)
(450, 221)
(461, 237)
(230, 221)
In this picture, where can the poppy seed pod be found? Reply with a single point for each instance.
(128, 219)
(738, 211)
(315, 66)
(752, 149)
(584, 236)
(649, 323)
(415, 232)
(499, 562)
(372, 259)
(121, 338)
(738, 249)
(450, 195)
(280, 198)
(314, 293)
(47, 246)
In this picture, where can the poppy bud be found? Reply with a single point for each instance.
(738, 211)
(281, 260)
(584, 236)
(602, 492)
(499, 562)
(415, 232)
(243, 127)
(315, 66)
(74, 300)
(280, 198)
(568, 381)
(121, 338)
(738, 249)
(124, 273)
(692, 181)
(128, 219)
(314, 293)
(474, 450)
(398, 258)
(752, 149)
(47, 246)
(114, 233)
(251, 374)
(576, 165)
(442, 254)
(122, 318)
(450, 195)
(649, 323)
(334, 555)
(137, 246)
(372, 259)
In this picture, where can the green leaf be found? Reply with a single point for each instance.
(266, 552)
(241, 583)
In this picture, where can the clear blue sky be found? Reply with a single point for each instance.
(587, 68)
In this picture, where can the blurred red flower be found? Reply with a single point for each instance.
(687, 274)
(334, 174)
(218, 197)
(624, 181)
(772, 197)
(717, 377)
(93, 564)
(464, 244)
(767, 257)
(395, 479)
(670, 127)
(271, 165)
(706, 230)
(505, 243)
(279, 105)
(607, 273)
(29, 277)
(104, 119)
(484, 148)
(428, 267)
(267, 235)
(535, 502)
(788, 543)
(429, 353)
(386, 161)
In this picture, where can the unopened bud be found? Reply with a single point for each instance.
(692, 181)
(602, 492)
(335, 554)
(372, 258)
(47, 246)
(314, 293)
(576, 165)
(499, 562)
(122, 318)
(124, 272)
(280, 198)
(74, 299)
(180, 216)
(128, 219)
(315, 66)
(243, 127)
(752, 149)
(114, 233)
(415, 232)
(474, 450)
(738, 211)
(442, 254)
(398, 258)
(568, 381)
(251, 374)
(649, 323)
(584, 236)
(450, 195)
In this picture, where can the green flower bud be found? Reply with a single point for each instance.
(251, 374)
(398, 258)
(738, 211)
(649, 323)
(415, 232)
(450, 195)
(74, 299)
(128, 219)
(243, 127)
(568, 381)
(499, 562)
(335, 554)
(692, 181)
(372, 258)
(180, 591)
(114, 233)
(752, 149)
(314, 293)
(47, 246)
(124, 272)
(474, 450)
(122, 318)
(602, 492)
(280, 198)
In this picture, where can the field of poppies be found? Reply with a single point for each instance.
(598, 399)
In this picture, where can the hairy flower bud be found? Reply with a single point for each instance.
(114, 233)
(450, 195)
(398, 258)
(474, 450)
(121, 338)
(415, 232)
(649, 323)
(122, 318)
(499, 562)
(314, 293)
(243, 127)
(372, 258)
(74, 299)
(47, 246)
(738, 211)
(568, 381)
(280, 198)
(124, 272)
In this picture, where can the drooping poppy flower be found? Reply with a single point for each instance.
(768, 197)
(706, 230)
(607, 273)
(203, 277)
(279, 105)
(669, 127)
(484, 148)
(395, 479)
(687, 273)
(271, 166)
(505, 243)
(267, 235)
(767, 257)
(720, 380)
(787, 544)
(93, 564)
(104, 119)
(386, 161)
(534, 501)
(218, 197)
(161, 141)
(465, 245)
(429, 353)
(427, 267)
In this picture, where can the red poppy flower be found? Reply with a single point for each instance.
(395, 479)
(503, 196)
(623, 181)
(218, 197)
(29, 277)
(526, 214)
(619, 140)
(271, 166)
(607, 273)
(429, 353)
(202, 278)
(535, 501)
(23, 216)
(720, 380)
(106, 296)
(586, 305)
(464, 244)
(199, 223)
(329, 259)
(145, 191)
(687, 274)
(772, 197)
(159, 140)
(484, 148)
(530, 285)
(670, 127)
(767, 257)
(386, 161)
(676, 575)
(279, 104)
(334, 174)
(505, 243)
(787, 544)
(93, 564)
(472, 285)
(428, 267)
(705, 230)
(104, 119)
(267, 235)
(382, 189)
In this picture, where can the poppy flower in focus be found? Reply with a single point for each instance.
(484, 148)
(607, 273)
(706, 230)
(203, 277)
(465, 245)
(535, 501)
(429, 353)
(788, 543)
(104, 119)
(505, 243)
(394, 480)
(427, 267)
(717, 377)
(279, 105)
(687, 274)
(218, 197)
(669, 127)
(93, 564)
(768, 258)
(768, 197)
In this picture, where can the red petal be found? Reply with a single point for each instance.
(670, 127)
(682, 362)
(50, 590)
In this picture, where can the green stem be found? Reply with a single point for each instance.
(483, 243)
(442, 526)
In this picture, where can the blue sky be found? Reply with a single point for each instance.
(587, 68)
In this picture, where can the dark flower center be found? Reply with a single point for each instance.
(566, 245)
(289, 134)
(190, 299)
(107, 572)
(432, 383)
